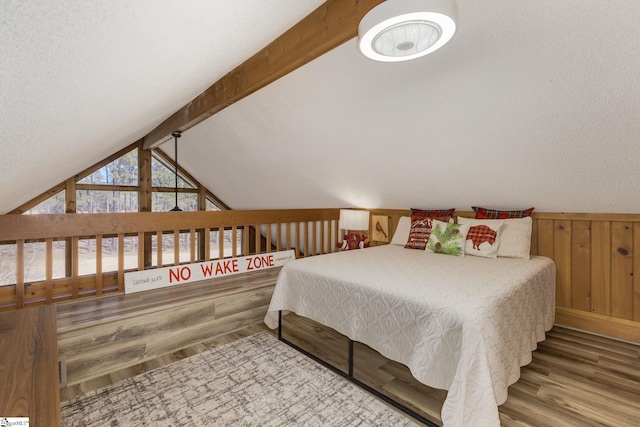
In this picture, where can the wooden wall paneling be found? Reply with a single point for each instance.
(581, 265)
(545, 237)
(562, 257)
(534, 237)
(48, 243)
(636, 271)
(601, 267)
(99, 265)
(622, 270)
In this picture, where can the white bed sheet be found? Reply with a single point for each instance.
(463, 324)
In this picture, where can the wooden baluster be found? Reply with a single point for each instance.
(176, 247)
(247, 231)
(140, 251)
(234, 243)
(20, 273)
(121, 262)
(192, 245)
(99, 265)
(159, 248)
(48, 286)
(221, 242)
(206, 235)
(75, 267)
(279, 237)
(267, 248)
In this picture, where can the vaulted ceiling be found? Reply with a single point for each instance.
(530, 104)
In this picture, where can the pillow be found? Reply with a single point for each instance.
(447, 238)
(483, 238)
(433, 213)
(401, 235)
(484, 213)
(420, 229)
(515, 238)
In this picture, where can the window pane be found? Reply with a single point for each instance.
(53, 205)
(98, 201)
(212, 206)
(164, 175)
(122, 171)
(164, 202)
(167, 249)
(35, 268)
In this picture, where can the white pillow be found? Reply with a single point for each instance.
(402, 231)
(484, 241)
(515, 237)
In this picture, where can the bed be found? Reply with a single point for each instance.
(463, 324)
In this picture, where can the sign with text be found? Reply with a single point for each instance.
(137, 281)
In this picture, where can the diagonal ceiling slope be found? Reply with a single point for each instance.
(80, 80)
(530, 104)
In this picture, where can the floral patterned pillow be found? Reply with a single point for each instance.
(446, 238)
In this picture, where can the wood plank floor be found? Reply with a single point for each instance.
(575, 379)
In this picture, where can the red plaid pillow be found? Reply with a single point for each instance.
(421, 225)
(484, 213)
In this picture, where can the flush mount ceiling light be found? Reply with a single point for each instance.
(400, 30)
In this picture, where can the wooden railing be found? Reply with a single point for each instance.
(597, 255)
(597, 259)
(138, 241)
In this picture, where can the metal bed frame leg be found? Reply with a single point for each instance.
(349, 376)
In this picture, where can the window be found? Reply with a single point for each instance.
(53, 205)
(122, 171)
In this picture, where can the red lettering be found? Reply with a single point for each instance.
(180, 273)
(206, 269)
(174, 275)
(226, 267)
(259, 262)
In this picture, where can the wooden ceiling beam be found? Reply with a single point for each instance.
(330, 25)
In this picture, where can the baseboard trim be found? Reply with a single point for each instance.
(613, 327)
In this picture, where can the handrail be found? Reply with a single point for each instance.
(308, 231)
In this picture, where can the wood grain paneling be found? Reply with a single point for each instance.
(29, 366)
(101, 335)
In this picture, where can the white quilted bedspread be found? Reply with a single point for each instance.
(463, 324)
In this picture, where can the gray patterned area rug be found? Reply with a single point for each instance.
(255, 381)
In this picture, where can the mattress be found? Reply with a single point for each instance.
(463, 324)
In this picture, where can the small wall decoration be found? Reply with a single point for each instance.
(380, 225)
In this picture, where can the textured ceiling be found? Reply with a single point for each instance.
(80, 80)
(530, 104)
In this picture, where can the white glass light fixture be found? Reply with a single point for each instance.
(400, 30)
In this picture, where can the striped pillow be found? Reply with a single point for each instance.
(484, 213)
(420, 230)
